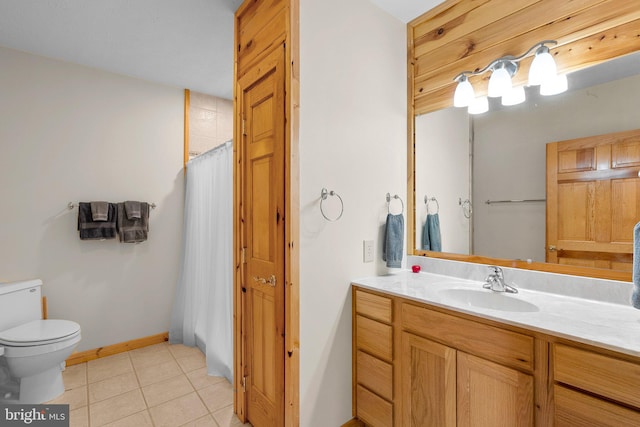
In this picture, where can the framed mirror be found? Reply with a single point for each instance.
(458, 162)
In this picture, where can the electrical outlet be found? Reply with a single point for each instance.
(367, 250)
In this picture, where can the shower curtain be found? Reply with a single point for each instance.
(203, 305)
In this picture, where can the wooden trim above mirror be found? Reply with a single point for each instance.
(462, 35)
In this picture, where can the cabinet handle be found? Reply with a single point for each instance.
(552, 248)
(271, 281)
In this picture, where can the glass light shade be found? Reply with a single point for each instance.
(499, 83)
(514, 97)
(464, 93)
(554, 86)
(479, 105)
(543, 67)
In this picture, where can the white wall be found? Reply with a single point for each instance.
(353, 141)
(70, 133)
(510, 159)
(442, 151)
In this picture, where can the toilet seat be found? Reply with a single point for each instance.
(39, 332)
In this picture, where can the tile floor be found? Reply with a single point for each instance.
(161, 385)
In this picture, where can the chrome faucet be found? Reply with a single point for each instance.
(495, 281)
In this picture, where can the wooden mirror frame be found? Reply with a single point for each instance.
(460, 35)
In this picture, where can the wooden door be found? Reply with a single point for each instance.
(593, 200)
(262, 227)
(428, 393)
(492, 395)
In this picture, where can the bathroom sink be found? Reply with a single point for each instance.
(488, 299)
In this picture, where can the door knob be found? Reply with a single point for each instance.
(271, 281)
(552, 248)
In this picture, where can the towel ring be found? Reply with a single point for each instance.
(466, 207)
(323, 196)
(389, 197)
(432, 199)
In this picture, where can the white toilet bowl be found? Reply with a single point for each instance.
(34, 354)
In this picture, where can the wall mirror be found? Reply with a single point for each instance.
(458, 162)
(484, 175)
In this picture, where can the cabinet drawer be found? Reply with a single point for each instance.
(374, 337)
(375, 375)
(577, 409)
(505, 347)
(372, 409)
(374, 306)
(607, 376)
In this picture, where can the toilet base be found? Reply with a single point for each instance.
(38, 388)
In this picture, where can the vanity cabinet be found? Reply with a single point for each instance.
(591, 388)
(429, 368)
(373, 358)
(475, 374)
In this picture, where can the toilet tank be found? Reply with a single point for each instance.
(20, 302)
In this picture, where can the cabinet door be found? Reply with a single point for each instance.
(428, 383)
(492, 395)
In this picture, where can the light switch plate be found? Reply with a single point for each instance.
(367, 250)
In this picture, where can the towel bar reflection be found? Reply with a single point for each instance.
(431, 199)
(323, 196)
(72, 205)
(395, 196)
(491, 202)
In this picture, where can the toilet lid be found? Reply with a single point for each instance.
(39, 332)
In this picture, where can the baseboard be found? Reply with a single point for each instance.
(110, 350)
(353, 423)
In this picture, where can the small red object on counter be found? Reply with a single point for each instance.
(415, 268)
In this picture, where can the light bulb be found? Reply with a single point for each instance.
(479, 105)
(514, 97)
(499, 82)
(543, 67)
(554, 86)
(464, 93)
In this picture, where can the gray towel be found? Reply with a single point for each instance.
(433, 225)
(96, 230)
(133, 230)
(393, 246)
(635, 299)
(133, 209)
(100, 211)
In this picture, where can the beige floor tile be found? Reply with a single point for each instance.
(153, 374)
(116, 408)
(200, 379)
(113, 386)
(166, 390)
(79, 417)
(150, 348)
(75, 376)
(217, 396)
(150, 358)
(226, 418)
(107, 367)
(181, 350)
(178, 411)
(75, 398)
(191, 363)
(207, 421)
(139, 419)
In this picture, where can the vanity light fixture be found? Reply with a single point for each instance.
(543, 73)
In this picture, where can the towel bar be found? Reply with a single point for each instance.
(72, 205)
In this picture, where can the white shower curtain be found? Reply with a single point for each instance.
(203, 306)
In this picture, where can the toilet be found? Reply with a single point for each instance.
(32, 350)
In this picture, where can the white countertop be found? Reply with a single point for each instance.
(612, 326)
